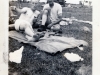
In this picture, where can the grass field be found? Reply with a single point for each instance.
(36, 62)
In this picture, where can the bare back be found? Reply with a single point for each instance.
(29, 15)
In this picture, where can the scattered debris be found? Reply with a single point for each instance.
(16, 55)
(66, 21)
(37, 54)
(63, 23)
(73, 57)
(74, 19)
(86, 29)
(81, 48)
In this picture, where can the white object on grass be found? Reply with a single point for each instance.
(81, 48)
(66, 21)
(63, 23)
(73, 57)
(86, 29)
(16, 55)
(74, 19)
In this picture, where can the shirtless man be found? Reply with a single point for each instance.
(25, 21)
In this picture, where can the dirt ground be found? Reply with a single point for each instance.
(36, 62)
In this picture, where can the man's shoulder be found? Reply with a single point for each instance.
(25, 8)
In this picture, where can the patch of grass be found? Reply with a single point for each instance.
(78, 13)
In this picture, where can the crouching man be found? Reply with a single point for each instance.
(52, 15)
(25, 21)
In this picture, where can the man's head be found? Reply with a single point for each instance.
(34, 4)
(51, 2)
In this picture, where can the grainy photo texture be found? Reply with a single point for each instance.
(50, 37)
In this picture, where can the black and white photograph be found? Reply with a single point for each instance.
(50, 37)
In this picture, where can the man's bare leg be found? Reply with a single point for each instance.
(29, 31)
(44, 20)
(35, 37)
(31, 35)
(44, 17)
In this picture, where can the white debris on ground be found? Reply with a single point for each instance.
(37, 54)
(80, 48)
(73, 57)
(66, 21)
(86, 29)
(70, 20)
(16, 55)
(63, 23)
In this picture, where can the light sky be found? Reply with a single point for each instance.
(68, 1)
(73, 1)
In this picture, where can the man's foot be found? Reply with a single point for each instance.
(38, 36)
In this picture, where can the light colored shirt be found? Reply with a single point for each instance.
(54, 11)
(29, 15)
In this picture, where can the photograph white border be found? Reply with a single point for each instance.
(96, 35)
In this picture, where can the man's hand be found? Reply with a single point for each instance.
(50, 25)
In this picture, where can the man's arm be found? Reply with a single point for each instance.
(19, 10)
(59, 17)
(56, 22)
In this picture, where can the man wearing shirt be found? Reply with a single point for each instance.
(52, 15)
